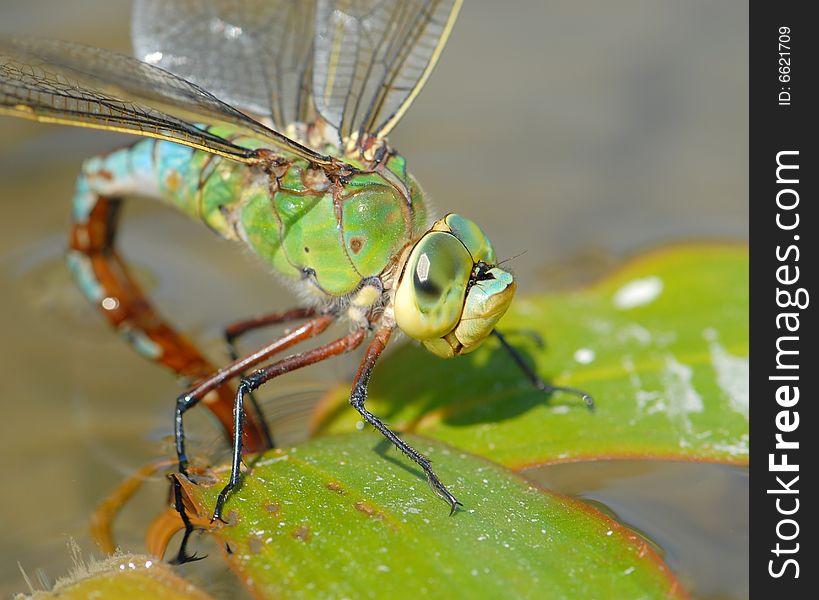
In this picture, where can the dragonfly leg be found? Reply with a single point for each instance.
(182, 555)
(535, 379)
(106, 281)
(198, 392)
(253, 381)
(236, 330)
(358, 397)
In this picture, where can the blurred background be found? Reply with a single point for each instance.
(575, 132)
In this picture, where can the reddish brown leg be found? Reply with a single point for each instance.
(344, 344)
(195, 394)
(106, 281)
(236, 330)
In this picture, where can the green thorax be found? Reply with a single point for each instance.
(329, 234)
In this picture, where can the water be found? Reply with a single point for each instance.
(574, 132)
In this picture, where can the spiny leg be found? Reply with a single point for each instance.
(236, 330)
(533, 377)
(106, 281)
(344, 344)
(358, 397)
(190, 398)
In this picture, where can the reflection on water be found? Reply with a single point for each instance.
(563, 127)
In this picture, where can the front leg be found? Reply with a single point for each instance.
(236, 330)
(535, 379)
(358, 397)
(182, 557)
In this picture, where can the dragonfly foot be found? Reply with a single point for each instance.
(535, 379)
(220, 504)
(584, 396)
(183, 557)
(444, 493)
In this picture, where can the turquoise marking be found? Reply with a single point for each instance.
(502, 280)
(118, 164)
(142, 343)
(80, 266)
(92, 165)
(84, 201)
(142, 158)
(174, 160)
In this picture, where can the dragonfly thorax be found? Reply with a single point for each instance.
(330, 232)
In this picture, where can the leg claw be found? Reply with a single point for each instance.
(440, 489)
(218, 517)
(183, 558)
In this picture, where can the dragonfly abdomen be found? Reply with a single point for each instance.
(201, 185)
(105, 278)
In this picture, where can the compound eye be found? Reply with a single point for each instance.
(430, 296)
(471, 236)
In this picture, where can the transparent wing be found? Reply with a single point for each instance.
(372, 57)
(68, 83)
(254, 54)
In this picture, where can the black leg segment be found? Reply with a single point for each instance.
(257, 378)
(358, 397)
(533, 377)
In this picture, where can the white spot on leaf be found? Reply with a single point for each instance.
(681, 397)
(584, 356)
(638, 293)
(732, 374)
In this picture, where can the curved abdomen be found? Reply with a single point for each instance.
(105, 278)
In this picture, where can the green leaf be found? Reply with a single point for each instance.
(347, 516)
(661, 344)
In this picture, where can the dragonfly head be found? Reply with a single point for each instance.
(450, 293)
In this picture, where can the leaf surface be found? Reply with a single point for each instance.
(346, 516)
(661, 344)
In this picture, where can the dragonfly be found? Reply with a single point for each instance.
(267, 121)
